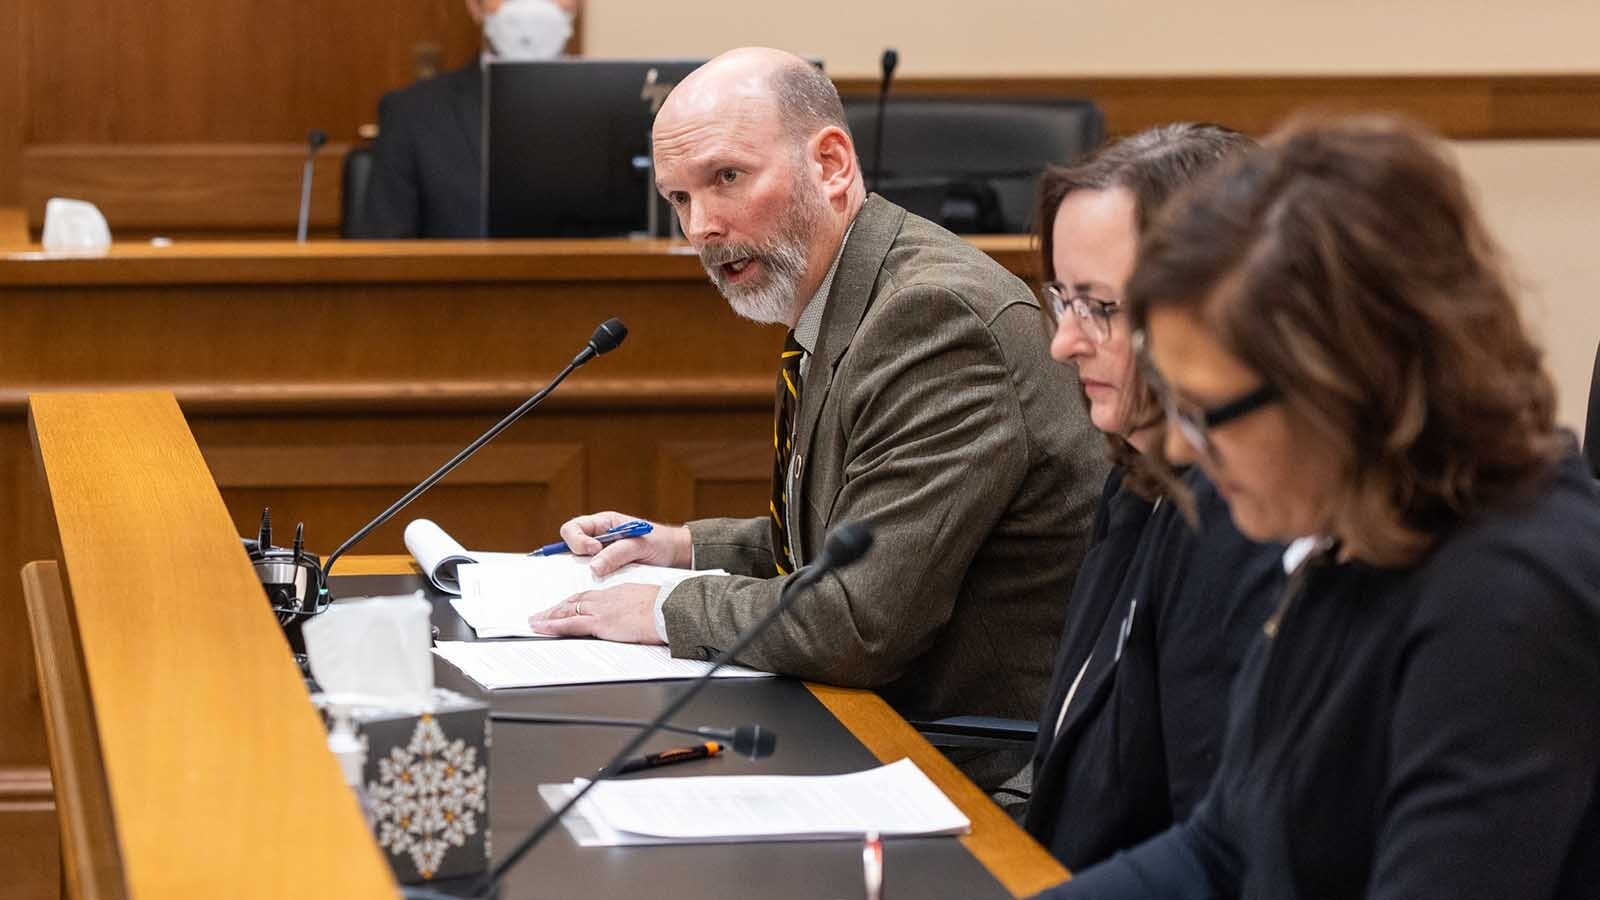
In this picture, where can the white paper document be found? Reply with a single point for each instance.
(894, 800)
(439, 555)
(514, 664)
(498, 595)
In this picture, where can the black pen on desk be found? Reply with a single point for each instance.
(668, 757)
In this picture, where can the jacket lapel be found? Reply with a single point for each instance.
(875, 229)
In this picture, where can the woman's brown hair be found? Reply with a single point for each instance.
(1344, 263)
(1152, 165)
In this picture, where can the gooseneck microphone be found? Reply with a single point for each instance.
(891, 59)
(314, 141)
(606, 338)
(844, 545)
(752, 741)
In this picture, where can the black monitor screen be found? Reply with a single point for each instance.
(566, 143)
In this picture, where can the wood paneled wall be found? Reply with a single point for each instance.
(189, 119)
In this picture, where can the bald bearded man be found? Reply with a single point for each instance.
(916, 395)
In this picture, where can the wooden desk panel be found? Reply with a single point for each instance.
(324, 379)
(219, 777)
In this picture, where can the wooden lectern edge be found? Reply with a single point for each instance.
(1014, 858)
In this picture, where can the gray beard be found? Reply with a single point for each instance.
(770, 298)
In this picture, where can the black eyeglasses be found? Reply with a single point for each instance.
(1193, 421)
(1094, 315)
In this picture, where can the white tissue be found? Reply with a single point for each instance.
(74, 226)
(374, 652)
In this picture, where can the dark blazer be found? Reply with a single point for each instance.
(428, 162)
(932, 411)
(1412, 734)
(1163, 614)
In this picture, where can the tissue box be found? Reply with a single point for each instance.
(427, 786)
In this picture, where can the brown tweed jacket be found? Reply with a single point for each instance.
(932, 411)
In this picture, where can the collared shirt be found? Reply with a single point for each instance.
(806, 333)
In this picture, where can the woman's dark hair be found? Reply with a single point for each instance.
(1152, 165)
(1345, 263)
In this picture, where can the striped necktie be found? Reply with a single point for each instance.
(786, 408)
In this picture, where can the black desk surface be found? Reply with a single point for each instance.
(810, 742)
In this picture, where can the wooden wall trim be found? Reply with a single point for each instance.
(13, 97)
(26, 789)
(185, 186)
(237, 188)
(594, 394)
(13, 227)
(1468, 107)
(390, 262)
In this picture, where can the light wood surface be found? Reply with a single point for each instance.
(1016, 860)
(90, 858)
(217, 766)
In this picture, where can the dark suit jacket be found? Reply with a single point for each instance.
(1163, 613)
(931, 410)
(429, 160)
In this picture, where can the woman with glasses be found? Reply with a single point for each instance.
(1420, 715)
(1162, 610)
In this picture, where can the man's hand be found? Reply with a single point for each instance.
(624, 613)
(665, 545)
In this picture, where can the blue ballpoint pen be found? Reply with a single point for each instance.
(625, 530)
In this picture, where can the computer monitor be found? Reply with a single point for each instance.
(567, 145)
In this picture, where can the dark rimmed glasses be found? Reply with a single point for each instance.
(1094, 315)
(1193, 421)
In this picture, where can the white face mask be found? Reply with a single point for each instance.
(524, 30)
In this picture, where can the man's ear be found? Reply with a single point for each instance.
(835, 156)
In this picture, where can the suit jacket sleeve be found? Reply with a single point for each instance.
(935, 448)
(394, 205)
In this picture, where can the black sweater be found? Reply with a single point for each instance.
(1426, 733)
(1163, 613)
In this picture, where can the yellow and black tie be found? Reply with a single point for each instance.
(787, 407)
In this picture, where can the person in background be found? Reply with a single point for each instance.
(428, 161)
(1339, 349)
(915, 394)
(1165, 603)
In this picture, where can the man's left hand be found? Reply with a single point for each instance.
(625, 613)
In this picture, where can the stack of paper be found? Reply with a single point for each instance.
(893, 800)
(514, 664)
(439, 555)
(498, 596)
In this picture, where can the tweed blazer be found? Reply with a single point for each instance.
(932, 411)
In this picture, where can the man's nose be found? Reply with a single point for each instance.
(705, 224)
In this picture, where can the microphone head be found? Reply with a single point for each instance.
(608, 336)
(891, 58)
(754, 741)
(315, 138)
(847, 543)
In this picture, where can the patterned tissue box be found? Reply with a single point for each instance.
(427, 786)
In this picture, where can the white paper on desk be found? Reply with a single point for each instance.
(439, 555)
(515, 664)
(498, 596)
(895, 799)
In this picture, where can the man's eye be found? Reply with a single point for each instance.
(728, 176)
(677, 198)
